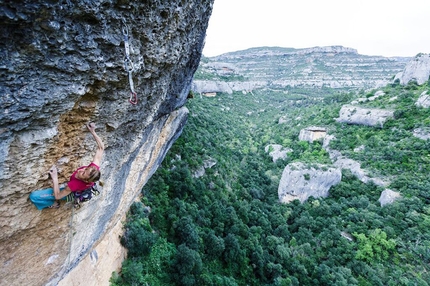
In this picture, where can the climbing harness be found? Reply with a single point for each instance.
(82, 196)
(128, 65)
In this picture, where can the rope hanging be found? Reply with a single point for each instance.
(128, 65)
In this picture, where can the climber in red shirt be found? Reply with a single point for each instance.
(83, 178)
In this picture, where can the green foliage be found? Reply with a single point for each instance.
(227, 226)
(132, 273)
(374, 247)
(138, 236)
(186, 266)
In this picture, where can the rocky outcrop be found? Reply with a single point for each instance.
(388, 197)
(343, 162)
(355, 168)
(377, 94)
(207, 164)
(312, 134)
(300, 181)
(352, 114)
(418, 69)
(62, 65)
(422, 133)
(423, 100)
(277, 151)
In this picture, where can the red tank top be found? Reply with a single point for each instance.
(75, 184)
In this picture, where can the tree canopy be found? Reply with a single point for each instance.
(227, 226)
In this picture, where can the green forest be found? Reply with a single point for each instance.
(227, 226)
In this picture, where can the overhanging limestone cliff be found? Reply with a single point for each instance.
(62, 65)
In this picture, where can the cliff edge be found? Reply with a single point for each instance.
(63, 64)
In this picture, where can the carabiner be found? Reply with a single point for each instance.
(133, 98)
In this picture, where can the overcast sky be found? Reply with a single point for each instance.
(373, 27)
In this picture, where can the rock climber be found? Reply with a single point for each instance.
(83, 178)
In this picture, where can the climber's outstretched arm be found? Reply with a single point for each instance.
(100, 146)
(57, 193)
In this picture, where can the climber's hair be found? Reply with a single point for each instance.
(94, 175)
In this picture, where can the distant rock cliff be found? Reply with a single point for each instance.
(61, 66)
(418, 69)
(282, 68)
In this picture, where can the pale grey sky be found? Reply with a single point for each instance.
(373, 27)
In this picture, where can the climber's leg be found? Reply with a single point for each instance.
(43, 198)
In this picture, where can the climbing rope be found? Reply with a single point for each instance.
(128, 65)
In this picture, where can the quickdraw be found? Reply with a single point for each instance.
(128, 65)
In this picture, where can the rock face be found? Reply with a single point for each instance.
(418, 69)
(355, 168)
(312, 134)
(342, 162)
(422, 133)
(275, 68)
(299, 181)
(423, 100)
(277, 151)
(207, 164)
(95, 268)
(388, 197)
(364, 116)
(377, 94)
(62, 65)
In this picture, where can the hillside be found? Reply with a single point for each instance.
(282, 68)
(211, 215)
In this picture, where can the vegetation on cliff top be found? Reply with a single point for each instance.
(227, 226)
